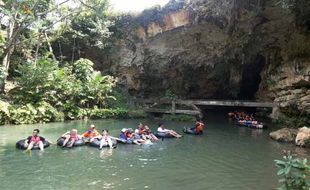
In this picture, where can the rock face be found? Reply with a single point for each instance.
(303, 137)
(258, 49)
(284, 135)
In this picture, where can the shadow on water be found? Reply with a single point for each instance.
(225, 157)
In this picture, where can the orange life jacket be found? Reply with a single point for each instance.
(199, 127)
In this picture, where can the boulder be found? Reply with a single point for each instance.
(303, 137)
(284, 135)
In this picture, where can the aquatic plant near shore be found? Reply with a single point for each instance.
(294, 173)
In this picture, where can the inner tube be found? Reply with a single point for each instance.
(248, 124)
(96, 143)
(21, 145)
(123, 141)
(190, 131)
(79, 142)
(163, 135)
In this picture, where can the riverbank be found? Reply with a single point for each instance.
(230, 157)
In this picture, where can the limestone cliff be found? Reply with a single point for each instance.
(258, 49)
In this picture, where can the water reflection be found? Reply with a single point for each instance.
(105, 153)
(256, 132)
(225, 157)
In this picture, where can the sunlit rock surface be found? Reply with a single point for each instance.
(256, 49)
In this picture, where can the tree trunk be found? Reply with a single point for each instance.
(60, 51)
(37, 51)
(50, 46)
(73, 50)
(7, 55)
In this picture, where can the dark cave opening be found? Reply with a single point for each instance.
(251, 78)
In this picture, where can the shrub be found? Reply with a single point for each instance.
(294, 121)
(4, 112)
(28, 114)
(294, 173)
(108, 113)
(137, 114)
(46, 92)
(179, 117)
(83, 69)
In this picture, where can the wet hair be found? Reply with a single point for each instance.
(160, 124)
(37, 130)
(105, 130)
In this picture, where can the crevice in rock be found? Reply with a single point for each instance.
(251, 78)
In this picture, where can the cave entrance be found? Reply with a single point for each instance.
(251, 78)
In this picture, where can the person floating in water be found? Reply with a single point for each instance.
(161, 129)
(91, 133)
(145, 133)
(127, 136)
(149, 135)
(33, 140)
(141, 131)
(105, 139)
(70, 138)
(199, 126)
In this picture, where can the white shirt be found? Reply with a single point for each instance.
(137, 131)
(161, 130)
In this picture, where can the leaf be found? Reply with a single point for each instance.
(288, 169)
(281, 172)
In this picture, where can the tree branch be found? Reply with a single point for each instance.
(54, 8)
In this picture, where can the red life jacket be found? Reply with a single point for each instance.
(199, 127)
(35, 139)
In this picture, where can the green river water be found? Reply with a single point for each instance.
(226, 157)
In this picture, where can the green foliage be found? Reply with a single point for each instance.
(46, 92)
(34, 82)
(294, 121)
(108, 113)
(96, 113)
(119, 101)
(41, 113)
(137, 113)
(294, 173)
(96, 91)
(91, 26)
(83, 69)
(3, 74)
(170, 95)
(2, 42)
(293, 118)
(4, 112)
(61, 87)
(179, 117)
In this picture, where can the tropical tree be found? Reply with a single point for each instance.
(33, 20)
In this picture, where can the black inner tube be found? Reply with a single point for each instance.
(79, 142)
(96, 143)
(190, 131)
(163, 135)
(21, 145)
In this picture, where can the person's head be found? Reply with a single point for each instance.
(140, 125)
(73, 132)
(123, 130)
(105, 132)
(92, 127)
(161, 125)
(147, 127)
(35, 132)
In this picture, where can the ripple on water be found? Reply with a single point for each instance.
(224, 158)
